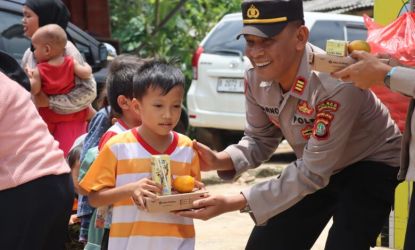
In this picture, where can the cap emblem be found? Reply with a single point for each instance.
(252, 12)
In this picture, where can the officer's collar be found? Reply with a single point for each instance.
(300, 87)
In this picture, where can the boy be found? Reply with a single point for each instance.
(119, 95)
(121, 173)
(55, 74)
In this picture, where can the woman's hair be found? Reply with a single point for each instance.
(120, 79)
(50, 11)
(157, 74)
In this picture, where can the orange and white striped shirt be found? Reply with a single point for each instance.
(126, 158)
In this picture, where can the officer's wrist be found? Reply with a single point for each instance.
(388, 76)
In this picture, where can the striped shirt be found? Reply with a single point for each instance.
(126, 158)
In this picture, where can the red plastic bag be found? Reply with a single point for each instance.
(396, 39)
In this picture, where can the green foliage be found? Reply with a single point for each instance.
(136, 24)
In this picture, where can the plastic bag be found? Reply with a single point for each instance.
(396, 39)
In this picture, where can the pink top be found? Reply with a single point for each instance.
(27, 150)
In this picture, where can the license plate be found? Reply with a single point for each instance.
(233, 85)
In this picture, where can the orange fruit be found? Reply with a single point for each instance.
(358, 45)
(184, 183)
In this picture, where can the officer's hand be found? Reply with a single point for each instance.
(206, 155)
(207, 208)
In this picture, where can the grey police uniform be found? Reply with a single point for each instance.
(329, 125)
(402, 80)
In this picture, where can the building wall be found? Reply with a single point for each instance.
(92, 16)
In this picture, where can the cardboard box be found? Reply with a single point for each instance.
(329, 63)
(174, 202)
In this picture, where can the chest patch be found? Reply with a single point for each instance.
(304, 108)
(302, 120)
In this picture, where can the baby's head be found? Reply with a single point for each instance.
(49, 41)
(120, 82)
(158, 94)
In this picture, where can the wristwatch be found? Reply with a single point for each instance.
(387, 79)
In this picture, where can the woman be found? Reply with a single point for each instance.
(39, 13)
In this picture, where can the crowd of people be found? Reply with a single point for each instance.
(350, 156)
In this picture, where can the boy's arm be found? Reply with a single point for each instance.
(135, 190)
(83, 71)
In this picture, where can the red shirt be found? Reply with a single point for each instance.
(57, 80)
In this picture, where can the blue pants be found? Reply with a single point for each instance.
(35, 215)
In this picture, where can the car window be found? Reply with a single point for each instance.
(12, 38)
(324, 30)
(338, 30)
(356, 32)
(223, 39)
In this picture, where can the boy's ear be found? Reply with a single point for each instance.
(123, 102)
(48, 49)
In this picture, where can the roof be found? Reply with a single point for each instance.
(336, 6)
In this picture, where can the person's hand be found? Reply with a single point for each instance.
(145, 188)
(366, 72)
(207, 156)
(206, 208)
(41, 100)
(213, 205)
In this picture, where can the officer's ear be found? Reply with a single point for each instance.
(302, 37)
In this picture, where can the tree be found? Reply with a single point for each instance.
(166, 28)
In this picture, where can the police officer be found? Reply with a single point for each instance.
(347, 145)
(369, 71)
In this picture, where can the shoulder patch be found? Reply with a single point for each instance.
(328, 105)
(299, 85)
(321, 129)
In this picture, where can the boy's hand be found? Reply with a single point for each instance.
(145, 188)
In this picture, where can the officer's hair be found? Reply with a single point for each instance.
(120, 79)
(157, 74)
(297, 23)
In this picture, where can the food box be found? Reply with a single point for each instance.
(329, 63)
(336, 47)
(161, 173)
(173, 202)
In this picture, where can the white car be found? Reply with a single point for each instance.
(215, 99)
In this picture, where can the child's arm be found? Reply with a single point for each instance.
(35, 81)
(136, 190)
(83, 71)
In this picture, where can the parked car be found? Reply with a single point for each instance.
(13, 41)
(215, 99)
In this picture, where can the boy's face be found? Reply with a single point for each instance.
(160, 113)
(41, 51)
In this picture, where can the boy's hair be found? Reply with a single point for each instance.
(120, 79)
(74, 155)
(53, 35)
(157, 74)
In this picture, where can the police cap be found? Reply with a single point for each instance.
(267, 18)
